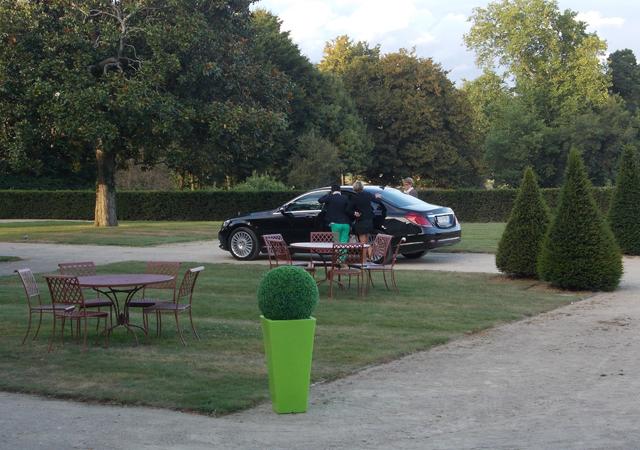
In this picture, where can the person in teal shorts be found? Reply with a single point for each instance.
(337, 215)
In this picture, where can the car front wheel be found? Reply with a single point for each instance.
(414, 255)
(243, 244)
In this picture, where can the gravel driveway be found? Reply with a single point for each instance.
(567, 379)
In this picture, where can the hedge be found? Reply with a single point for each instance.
(470, 205)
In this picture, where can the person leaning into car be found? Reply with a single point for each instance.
(337, 215)
(360, 207)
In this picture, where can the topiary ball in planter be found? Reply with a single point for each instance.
(287, 293)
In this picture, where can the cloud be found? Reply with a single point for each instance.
(595, 19)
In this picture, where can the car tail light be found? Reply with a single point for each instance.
(418, 219)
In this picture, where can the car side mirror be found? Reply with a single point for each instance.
(284, 210)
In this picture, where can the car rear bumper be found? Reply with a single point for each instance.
(422, 242)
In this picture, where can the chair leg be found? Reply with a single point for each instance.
(84, 340)
(158, 324)
(28, 328)
(106, 333)
(384, 276)
(393, 278)
(195, 333)
(62, 330)
(98, 320)
(53, 334)
(178, 326)
(38, 329)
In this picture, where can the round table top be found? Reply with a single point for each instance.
(317, 245)
(122, 280)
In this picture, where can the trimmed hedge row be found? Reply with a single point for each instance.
(470, 205)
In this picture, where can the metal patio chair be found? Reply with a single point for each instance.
(344, 261)
(182, 303)
(65, 291)
(92, 300)
(280, 255)
(34, 301)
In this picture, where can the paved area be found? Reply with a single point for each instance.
(568, 379)
(45, 257)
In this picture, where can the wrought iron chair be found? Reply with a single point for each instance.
(171, 268)
(32, 293)
(184, 294)
(379, 252)
(87, 268)
(345, 259)
(65, 291)
(323, 236)
(267, 243)
(386, 268)
(282, 256)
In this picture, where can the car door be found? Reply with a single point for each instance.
(302, 215)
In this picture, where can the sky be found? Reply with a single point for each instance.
(434, 27)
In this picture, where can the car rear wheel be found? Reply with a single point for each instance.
(415, 255)
(243, 244)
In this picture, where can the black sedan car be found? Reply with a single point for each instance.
(424, 226)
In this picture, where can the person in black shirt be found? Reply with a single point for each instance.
(337, 215)
(360, 207)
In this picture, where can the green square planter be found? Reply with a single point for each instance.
(288, 346)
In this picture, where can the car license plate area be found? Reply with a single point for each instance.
(443, 221)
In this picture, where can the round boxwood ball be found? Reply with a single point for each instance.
(287, 293)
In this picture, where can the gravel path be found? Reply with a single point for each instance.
(567, 379)
(45, 257)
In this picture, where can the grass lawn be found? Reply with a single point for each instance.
(477, 238)
(8, 258)
(225, 370)
(134, 234)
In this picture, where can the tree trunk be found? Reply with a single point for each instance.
(105, 214)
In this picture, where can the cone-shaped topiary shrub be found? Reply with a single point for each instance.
(527, 225)
(624, 214)
(579, 251)
(287, 293)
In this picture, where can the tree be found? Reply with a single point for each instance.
(317, 163)
(600, 134)
(341, 53)
(319, 102)
(515, 140)
(554, 62)
(625, 77)
(485, 94)
(148, 80)
(624, 214)
(579, 252)
(418, 120)
(521, 241)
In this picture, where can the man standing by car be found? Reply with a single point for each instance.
(336, 213)
(407, 183)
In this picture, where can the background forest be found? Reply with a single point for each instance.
(202, 94)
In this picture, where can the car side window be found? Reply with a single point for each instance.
(307, 202)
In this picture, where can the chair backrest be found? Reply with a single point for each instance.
(351, 253)
(267, 243)
(78, 269)
(171, 268)
(188, 283)
(380, 247)
(29, 283)
(281, 254)
(321, 236)
(65, 289)
(395, 253)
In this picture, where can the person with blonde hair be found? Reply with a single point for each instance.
(362, 210)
